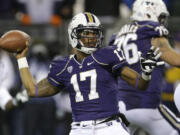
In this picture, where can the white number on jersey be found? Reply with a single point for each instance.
(162, 30)
(93, 79)
(130, 49)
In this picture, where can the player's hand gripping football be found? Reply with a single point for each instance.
(23, 53)
(151, 61)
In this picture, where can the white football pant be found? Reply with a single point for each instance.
(113, 127)
(158, 121)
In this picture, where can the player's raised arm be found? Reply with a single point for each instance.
(43, 88)
(168, 54)
(147, 66)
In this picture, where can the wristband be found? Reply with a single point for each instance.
(22, 63)
(146, 77)
(36, 89)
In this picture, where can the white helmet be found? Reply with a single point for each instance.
(82, 22)
(149, 10)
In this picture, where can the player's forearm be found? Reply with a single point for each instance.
(142, 84)
(169, 55)
(171, 58)
(28, 81)
(137, 81)
(134, 79)
(26, 76)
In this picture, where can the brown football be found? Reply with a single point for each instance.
(14, 40)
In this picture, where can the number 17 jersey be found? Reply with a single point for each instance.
(92, 84)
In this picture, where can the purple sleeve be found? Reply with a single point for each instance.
(110, 56)
(152, 29)
(53, 76)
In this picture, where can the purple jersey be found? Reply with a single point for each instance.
(132, 38)
(92, 84)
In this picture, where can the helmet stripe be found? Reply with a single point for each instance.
(93, 18)
(89, 17)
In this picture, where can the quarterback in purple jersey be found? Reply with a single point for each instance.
(147, 29)
(90, 77)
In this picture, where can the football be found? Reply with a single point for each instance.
(14, 40)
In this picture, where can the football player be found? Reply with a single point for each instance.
(147, 29)
(90, 78)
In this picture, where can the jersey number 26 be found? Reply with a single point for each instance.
(130, 49)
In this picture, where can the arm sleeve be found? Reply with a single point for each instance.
(53, 78)
(152, 29)
(57, 68)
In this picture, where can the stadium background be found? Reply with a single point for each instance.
(53, 35)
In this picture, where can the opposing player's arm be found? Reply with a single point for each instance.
(168, 54)
(41, 89)
(133, 78)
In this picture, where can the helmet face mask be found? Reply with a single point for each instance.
(150, 10)
(85, 36)
(88, 36)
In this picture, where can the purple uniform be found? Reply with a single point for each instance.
(132, 38)
(92, 84)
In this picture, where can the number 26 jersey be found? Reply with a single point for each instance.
(133, 38)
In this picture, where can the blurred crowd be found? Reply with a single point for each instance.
(55, 11)
(52, 115)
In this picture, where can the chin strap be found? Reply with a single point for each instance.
(84, 49)
(87, 50)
